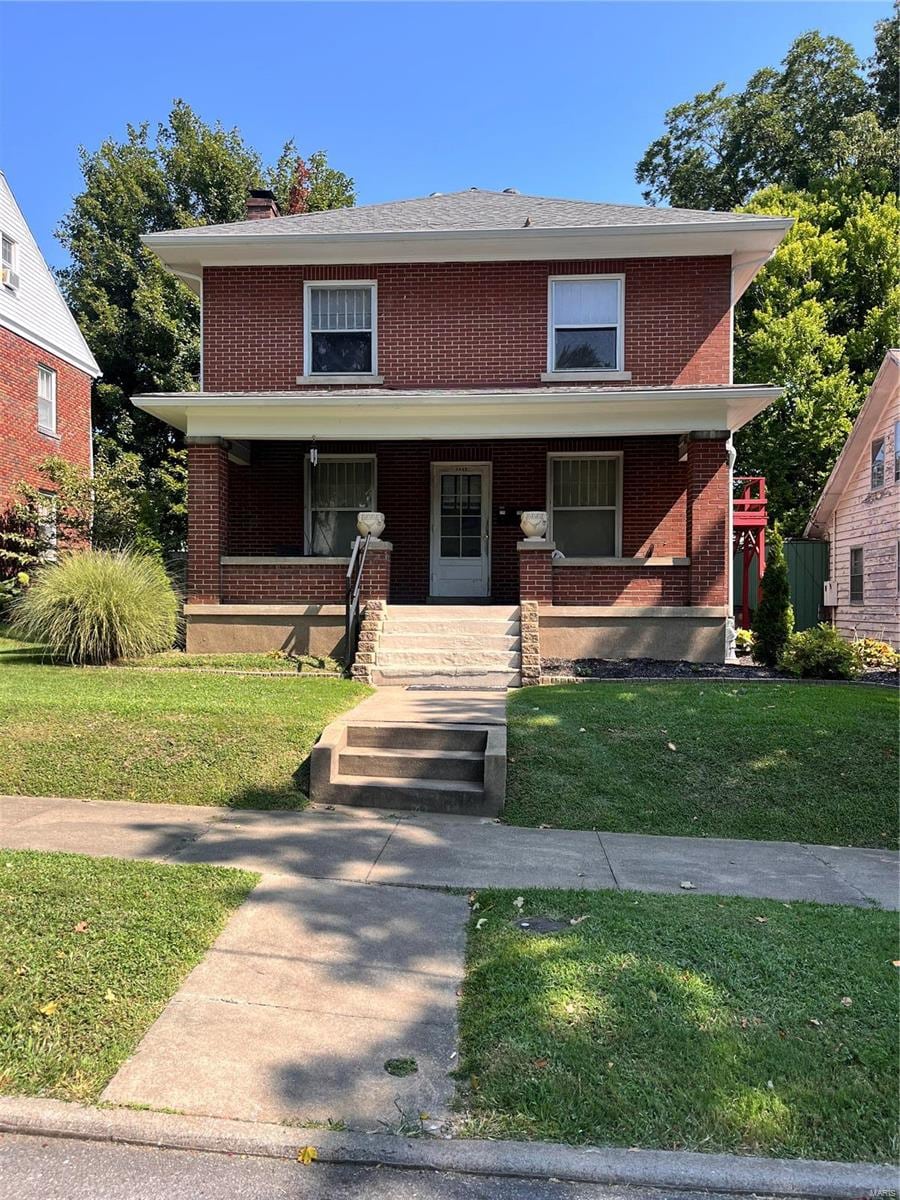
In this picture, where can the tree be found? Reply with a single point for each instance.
(883, 69)
(817, 321)
(141, 322)
(718, 149)
(773, 621)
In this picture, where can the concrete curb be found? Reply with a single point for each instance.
(680, 1170)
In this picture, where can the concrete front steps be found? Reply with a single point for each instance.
(452, 645)
(434, 768)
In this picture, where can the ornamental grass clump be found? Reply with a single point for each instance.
(96, 606)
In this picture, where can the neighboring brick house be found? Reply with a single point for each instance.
(452, 362)
(858, 514)
(46, 367)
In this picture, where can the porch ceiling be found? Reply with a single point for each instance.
(405, 415)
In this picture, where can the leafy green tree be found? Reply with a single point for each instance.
(141, 322)
(817, 321)
(718, 149)
(773, 621)
(883, 69)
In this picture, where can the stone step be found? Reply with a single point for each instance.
(436, 795)
(449, 628)
(450, 658)
(455, 612)
(393, 639)
(429, 675)
(456, 765)
(418, 737)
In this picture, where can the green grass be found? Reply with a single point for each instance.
(90, 951)
(784, 762)
(266, 663)
(175, 737)
(682, 1022)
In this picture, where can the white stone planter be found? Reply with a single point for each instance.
(534, 526)
(371, 523)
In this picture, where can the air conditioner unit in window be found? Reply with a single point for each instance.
(9, 278)
(829, 593)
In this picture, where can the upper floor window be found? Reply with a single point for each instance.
(47, 399)
(340, 323)
(586, 323)
(878, 464)
(856, 575)
(585, 504)
(8, 262)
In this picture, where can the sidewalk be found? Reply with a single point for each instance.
(426, 850)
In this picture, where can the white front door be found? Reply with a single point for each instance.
(460, 529)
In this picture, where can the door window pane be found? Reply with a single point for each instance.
(461, 516)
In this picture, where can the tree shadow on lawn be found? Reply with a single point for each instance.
(293, 796)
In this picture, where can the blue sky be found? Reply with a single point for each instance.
(557, 98)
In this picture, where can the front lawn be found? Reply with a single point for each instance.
(779, 761)
(682, 1022)
(174, 737)
(90, 951)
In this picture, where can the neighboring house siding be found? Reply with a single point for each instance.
(468, 324)
(265, 510)
(22, 446)
(870, 519)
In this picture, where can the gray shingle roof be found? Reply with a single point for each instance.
(468, 210)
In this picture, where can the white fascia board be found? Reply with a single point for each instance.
(187, 256)
(88, 365)
(426, 417)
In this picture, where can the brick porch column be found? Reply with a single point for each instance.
(708, 535)
(376, 578)
(207, 518)
(535, 570)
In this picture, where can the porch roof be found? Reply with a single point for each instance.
(381, 414)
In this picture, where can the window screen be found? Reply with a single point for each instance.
(340, 330)
(339, 488)
(584, 505)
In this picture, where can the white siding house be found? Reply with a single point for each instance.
(859, 515)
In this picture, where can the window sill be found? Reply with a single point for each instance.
(312, 380)
(660, 561)
(48, 433)
(284, 560)
(585, 376)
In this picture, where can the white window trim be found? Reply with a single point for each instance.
(12, 283)
(616, 454)
(873, 486)
(307, 491)
(618, 372)
(48, 429)
(308, 375)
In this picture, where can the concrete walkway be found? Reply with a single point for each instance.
(426, 850)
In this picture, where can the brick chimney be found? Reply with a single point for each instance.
(261, 204)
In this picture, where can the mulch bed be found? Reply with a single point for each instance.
(654, 668)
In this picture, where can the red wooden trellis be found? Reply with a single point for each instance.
(749, 521)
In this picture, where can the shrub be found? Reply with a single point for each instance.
(819, 653)
(94, 606)
(743, 642)
(872, 653)
(773, 620)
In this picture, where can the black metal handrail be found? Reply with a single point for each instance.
(352, 589)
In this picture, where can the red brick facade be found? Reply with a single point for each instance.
(468, 324)
(257, 509)
(22, 446)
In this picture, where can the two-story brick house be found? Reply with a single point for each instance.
(46, 367)
(453, 362)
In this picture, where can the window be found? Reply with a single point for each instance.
(856, 575)
(340, 321)
(337, 489)
(877, 464)
(584, 504)
(47, 399)
(586, 324)
(897, 452)
(47, 525)
(8, 258)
